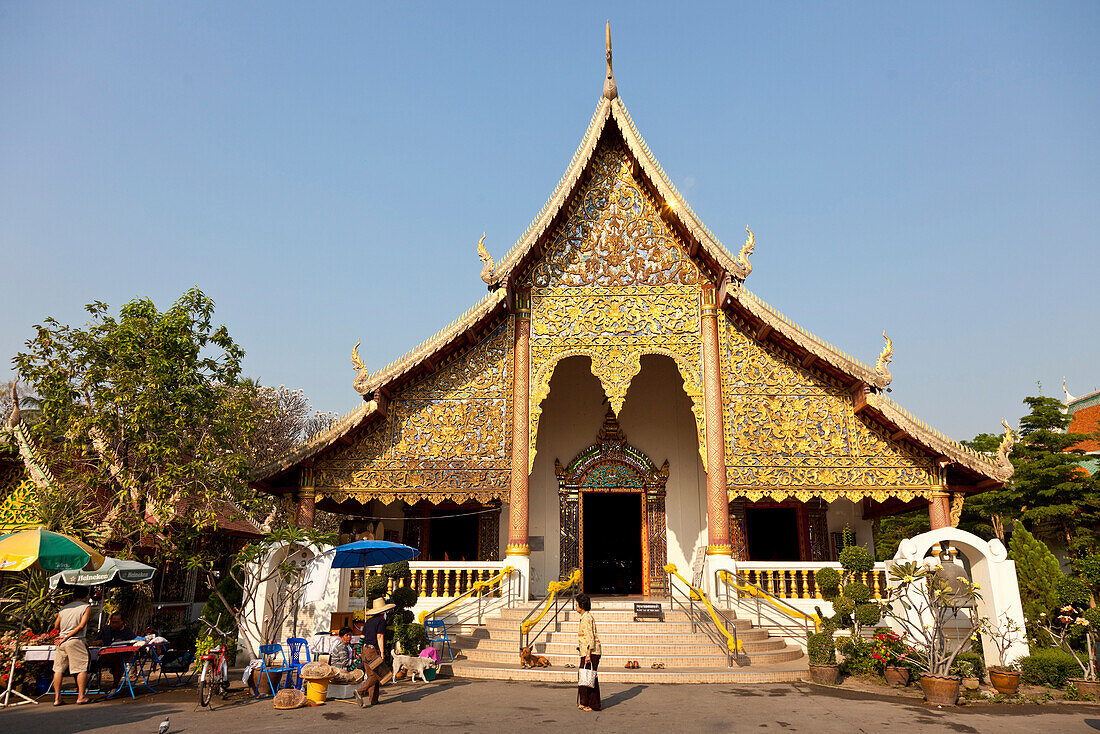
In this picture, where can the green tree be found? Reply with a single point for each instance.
(1037, 573)
(146, 410)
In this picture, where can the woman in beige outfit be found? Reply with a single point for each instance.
(588, 642)
(72, 651)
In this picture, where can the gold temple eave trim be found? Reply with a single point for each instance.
(412, 496)
(832, 494)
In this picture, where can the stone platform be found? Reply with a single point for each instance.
(492, 650)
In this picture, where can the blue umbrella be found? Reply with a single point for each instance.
(363, 553)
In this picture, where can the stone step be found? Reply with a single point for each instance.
(781, 672)
(512, 636)
(714, 658)
(608, 628)
(698, 645)
(610, 615)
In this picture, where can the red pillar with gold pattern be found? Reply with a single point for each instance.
(718, 506)
(304, 507)
(939, 510)
(520, 476)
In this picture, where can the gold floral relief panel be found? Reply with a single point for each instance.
(614, 284)
(793, 428)
(446, 433)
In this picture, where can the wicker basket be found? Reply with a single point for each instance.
(289, 698)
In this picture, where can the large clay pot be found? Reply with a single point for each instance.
(970, 684)
(1086, 687)
(942, 690)
(1005, 681)
(828, 675)
(897, 676)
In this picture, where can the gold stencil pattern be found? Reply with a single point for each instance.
(794, 433)
(446, 436)
(615, 284)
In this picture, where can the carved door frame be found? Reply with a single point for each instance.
(609, 465)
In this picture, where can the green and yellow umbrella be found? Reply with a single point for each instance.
(50, 551)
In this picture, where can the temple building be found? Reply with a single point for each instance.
(620, 400)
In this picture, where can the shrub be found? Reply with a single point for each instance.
(404, 597)
(398, 570)
(1037, 570)
(974, 660)
(844, 606)
(1071, 591)
(868, 615)
(828, 580)
(858, 656)
(821, 648)
(1092, 616)
(858, 592)
(856, 559)
(374, 587)
(1048, 667)
(412, 638)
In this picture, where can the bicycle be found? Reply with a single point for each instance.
(215, 667)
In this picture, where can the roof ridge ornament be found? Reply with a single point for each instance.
(1069, 398)
(610, 90)
(1006, 447)
(489, 266)
(746, 250)
(356, 362)
(882, 364)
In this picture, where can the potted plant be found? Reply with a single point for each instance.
(924, 604)
(822, 651)
(965, 670)
(891, 654)
(1004, 633)
(1068, 629)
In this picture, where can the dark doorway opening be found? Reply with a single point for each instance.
(452, 538)
(612, 535)
(773, 533)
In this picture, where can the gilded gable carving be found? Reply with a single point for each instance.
(614, 284)
(446, 436)
(793, 432)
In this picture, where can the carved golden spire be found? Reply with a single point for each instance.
(610, 91)
(746, 250)
(356, 362)
(14, 418)
(489, 266)
(882, 364)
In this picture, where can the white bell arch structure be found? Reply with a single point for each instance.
(991, 569)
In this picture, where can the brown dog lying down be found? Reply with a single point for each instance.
(530, 660)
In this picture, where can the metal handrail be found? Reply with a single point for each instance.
(480, 590)
(567, 590)
(721, 624)
(725, 580)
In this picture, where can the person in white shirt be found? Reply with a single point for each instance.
(72, 650)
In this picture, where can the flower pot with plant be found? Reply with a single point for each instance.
(891, 655)
(1074, 626)
(1004, 634)
(822, 651)
(926, 605)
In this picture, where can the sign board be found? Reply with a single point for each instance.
(648, 610)
(697, 567)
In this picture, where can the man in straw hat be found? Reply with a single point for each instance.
(374, 641)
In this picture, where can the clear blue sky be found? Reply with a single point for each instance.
(324, 170)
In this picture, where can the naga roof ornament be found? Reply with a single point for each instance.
(1005, 448)
(488, 264)
(882, 364)
(356, 361)
(610, 89)
(746, 251)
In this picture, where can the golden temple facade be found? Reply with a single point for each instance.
(618, 316)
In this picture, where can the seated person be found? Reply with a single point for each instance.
(115, 631)
(343, 655)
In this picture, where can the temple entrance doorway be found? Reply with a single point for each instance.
(773, 533)
(613, 523)
(611, 550)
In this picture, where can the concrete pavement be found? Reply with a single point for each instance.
(473, 706)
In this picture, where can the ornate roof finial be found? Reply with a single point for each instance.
(356, 362)
(1069, 398)
(746, 250)
(1006, 446)
(610, 91)
(487, 270)
(14, 418)
(882, 364)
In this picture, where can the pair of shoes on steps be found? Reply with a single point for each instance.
(657, 666)
(632, 664)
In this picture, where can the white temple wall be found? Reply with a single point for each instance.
(847, 512)
(656, 418)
